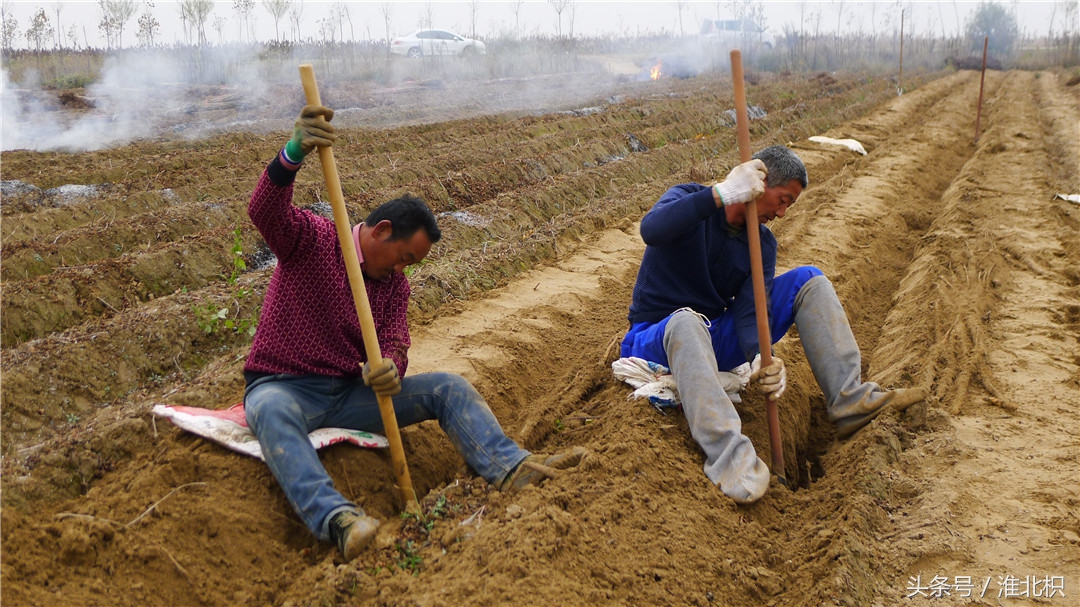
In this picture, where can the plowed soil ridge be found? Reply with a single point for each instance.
(523, 223)
(955, 264)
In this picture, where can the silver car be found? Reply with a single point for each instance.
(435, 42)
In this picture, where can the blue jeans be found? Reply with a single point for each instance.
(283, 409)
(646, 340)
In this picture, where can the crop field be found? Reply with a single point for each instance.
(131, 276)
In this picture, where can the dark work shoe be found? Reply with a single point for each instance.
(351, 532)
(536, 468)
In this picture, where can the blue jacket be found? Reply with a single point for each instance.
(695, 259)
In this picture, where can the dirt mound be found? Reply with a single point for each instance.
(957, 268)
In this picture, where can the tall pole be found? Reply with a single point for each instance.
(360, 299)
(900, 77)
(757, 272)
(982, 80)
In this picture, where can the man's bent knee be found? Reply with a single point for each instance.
(685, 323)
(270, 402)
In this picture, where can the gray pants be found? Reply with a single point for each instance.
(836, 362)
(730, 459)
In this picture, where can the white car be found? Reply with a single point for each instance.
(435, 42)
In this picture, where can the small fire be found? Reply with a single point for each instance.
(654, 73)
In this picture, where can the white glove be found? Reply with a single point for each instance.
(744, 183)
(772, 379)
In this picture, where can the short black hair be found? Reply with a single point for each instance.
(406, 214)
(784, 165)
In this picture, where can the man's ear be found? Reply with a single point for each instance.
(383, 230)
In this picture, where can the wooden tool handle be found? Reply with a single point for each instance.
(757, 272)
(360, 298)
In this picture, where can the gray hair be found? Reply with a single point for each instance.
(784, 165)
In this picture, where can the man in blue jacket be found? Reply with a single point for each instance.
(693, 311)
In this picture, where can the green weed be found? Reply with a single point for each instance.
(409, 270)
(410, 559)
(212, 317)
(237, 257)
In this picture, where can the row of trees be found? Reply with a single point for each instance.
(195, 19)
(805, 39)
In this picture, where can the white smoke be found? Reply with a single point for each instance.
(137, 95)
(192, 93)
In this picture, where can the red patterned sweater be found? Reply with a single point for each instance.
(308, 324)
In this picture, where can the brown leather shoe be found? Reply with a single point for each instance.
(897, 399)
(351, 532)
(535, 468)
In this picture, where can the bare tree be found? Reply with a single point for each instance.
(40, 30)
(1069, 32)
(328, 27)
(750, 18)
(517, 17)
(9, 26)
(340, 12)
(1070, 9)
(295, 13)
(243, 9)
(115, 15)
(57, 7)
(873, 24)
(386, 9)
(941, 16)
(572, 18)
(195, 13)
(839, 14)
(837, 45)
(219, 27)
(815, 19)
(107, 25)
(277, 10)
(474, 10)
(148, 27)
(559, 6)
(680, 8)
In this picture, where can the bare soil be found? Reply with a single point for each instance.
(959, 270)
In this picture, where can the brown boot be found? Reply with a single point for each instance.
(536, 468)
(351, 532)
(897, 399)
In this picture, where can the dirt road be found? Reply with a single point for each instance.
(959, 270)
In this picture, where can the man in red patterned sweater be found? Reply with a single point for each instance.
(307, 368)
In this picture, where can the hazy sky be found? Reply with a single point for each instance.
(590, 17)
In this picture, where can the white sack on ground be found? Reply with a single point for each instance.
(655, 383)
(850, 144)
(228, 428)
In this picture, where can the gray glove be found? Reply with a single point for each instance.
(383, 377)
(312, 129)
(772, 379)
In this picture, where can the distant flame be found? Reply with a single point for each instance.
(654, 73)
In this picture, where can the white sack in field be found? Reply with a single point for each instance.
(655, 383)
(228, 428)
(850, 144)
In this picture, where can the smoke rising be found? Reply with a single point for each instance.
(192, 93)
(138, 95)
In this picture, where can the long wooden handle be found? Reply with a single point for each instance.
(360, 298)
(757, 272)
